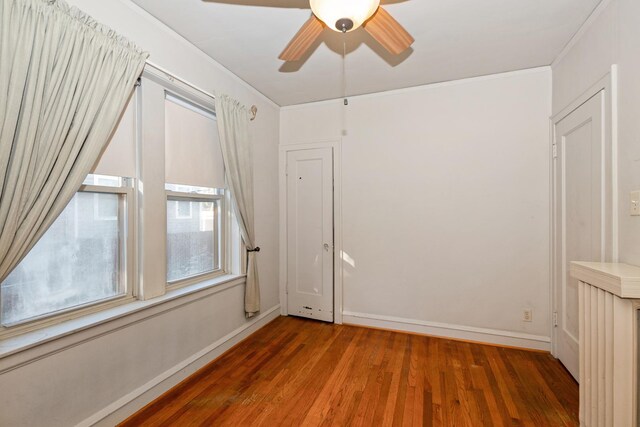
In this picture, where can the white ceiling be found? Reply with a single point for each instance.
(454, 39)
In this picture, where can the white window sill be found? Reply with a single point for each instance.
(19, 350)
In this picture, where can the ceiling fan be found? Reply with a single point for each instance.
(344, 16)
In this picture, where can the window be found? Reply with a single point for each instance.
(78, 262)
(157, 193)
(195, 206)
(194, 234)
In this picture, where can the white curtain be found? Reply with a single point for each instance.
(64, 81)
(233, 127)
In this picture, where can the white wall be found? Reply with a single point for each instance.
(445, 204)
(70, 386)
(612, 37)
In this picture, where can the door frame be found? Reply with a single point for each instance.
(336, 148)
(609, 84)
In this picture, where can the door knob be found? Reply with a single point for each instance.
(326, 246)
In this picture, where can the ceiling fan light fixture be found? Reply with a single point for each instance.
(344, 15)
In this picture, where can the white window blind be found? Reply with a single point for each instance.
(119, 158)
(192, 148)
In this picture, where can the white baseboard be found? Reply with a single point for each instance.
(445, 330)
(138, 398)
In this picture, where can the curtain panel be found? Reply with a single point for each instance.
(64, 82)
(233, 127)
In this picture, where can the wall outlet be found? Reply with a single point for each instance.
(634, 203)
(527, 315)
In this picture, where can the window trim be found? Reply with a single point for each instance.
(220, 236)
(30, 346)
(156, 87)
(127, 276)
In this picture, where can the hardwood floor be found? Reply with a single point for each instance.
(301, 372)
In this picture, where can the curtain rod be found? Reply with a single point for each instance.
(253, 109)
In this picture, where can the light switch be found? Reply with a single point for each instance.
(634, 203)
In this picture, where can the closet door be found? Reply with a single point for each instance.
(310, 233)
(579, 220)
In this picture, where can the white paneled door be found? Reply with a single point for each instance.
(310, 233)
(578, 215)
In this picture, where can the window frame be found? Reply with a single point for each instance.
(188, 97)
(220, 235)
(127, 275)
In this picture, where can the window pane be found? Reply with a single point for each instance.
(76, 262)
(192, 230)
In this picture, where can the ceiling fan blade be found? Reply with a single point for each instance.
(302, 40)
(285, 4)
(388, 32)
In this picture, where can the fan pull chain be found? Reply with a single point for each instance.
(344, 73)
(344, 88)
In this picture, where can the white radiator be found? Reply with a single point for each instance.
(608, 331)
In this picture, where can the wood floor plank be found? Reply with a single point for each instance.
(297, 372)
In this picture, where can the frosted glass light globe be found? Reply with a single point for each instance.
(331, 11)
